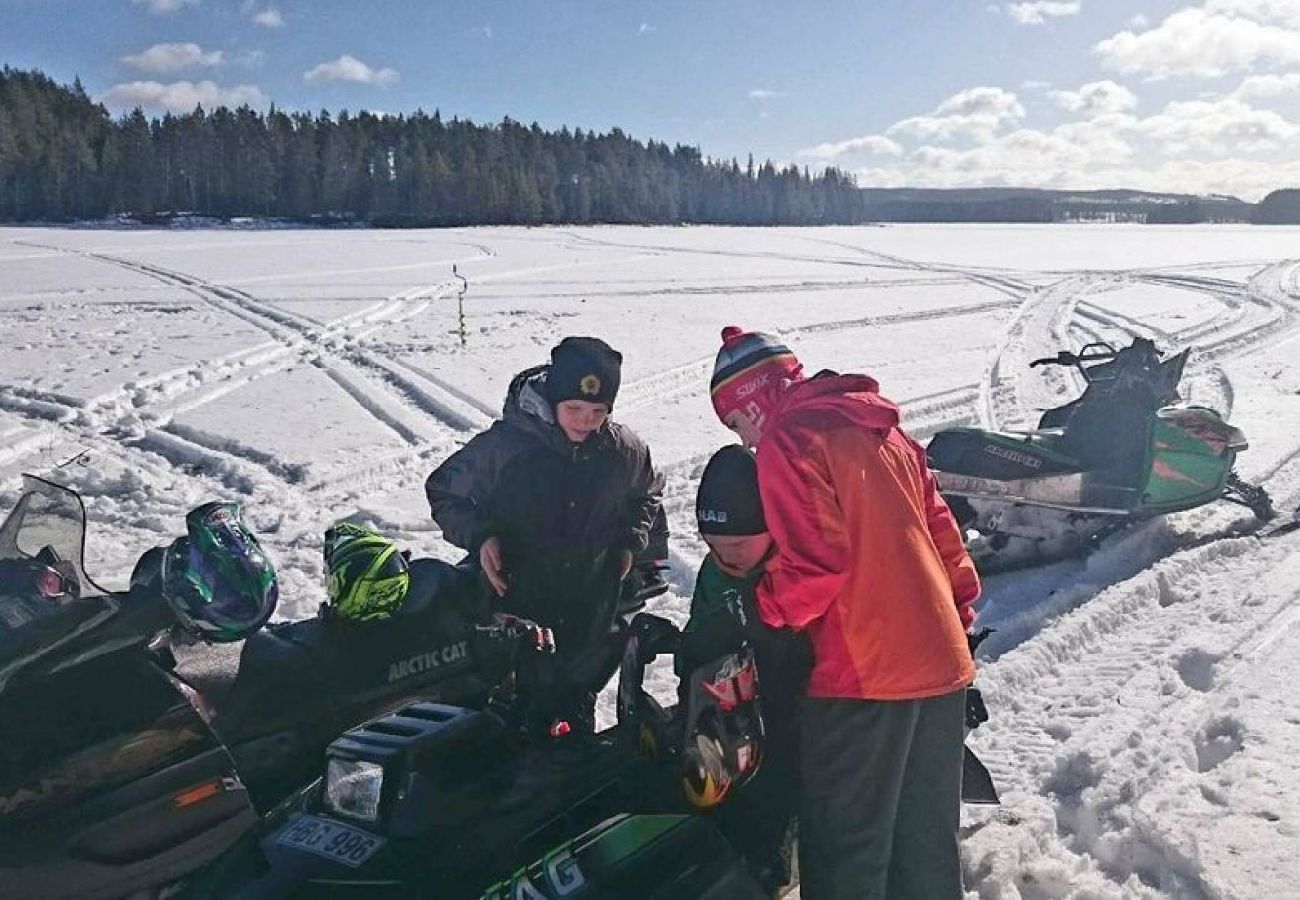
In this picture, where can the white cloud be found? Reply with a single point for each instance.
(180, 96)
(765, 94)
(164, 58)
(1035, 84)
(483, 31)
(1228, 126)
(349, 68)
(162, 7)
(1262, 86)
(1229, 176)
(1139, 21)
(1096, 98)
(1039, 11)
(1208, 41)
(251, 59)
(876, 144)
(269, 18)
(976, 112)
(1280, 12)
(645, 28)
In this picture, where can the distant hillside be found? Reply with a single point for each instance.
(1034, 205)
(1279, 208)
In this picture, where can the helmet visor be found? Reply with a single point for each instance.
(212, 598)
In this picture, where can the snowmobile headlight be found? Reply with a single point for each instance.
(353, 788)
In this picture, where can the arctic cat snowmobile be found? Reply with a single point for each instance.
(132, 757)
(1121, 452)
(442, 801)
(438, 800)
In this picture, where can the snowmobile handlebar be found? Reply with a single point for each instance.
(1097, 352)
(1064, 358)
(513, 628)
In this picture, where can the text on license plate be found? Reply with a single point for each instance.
(332, 840)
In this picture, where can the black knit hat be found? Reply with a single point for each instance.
(728, 501)
(583, 368)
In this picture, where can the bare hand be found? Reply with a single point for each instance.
(489, 557)
(624, 563)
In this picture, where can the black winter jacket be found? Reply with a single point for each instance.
(523, 481)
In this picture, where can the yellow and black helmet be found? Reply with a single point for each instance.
(368, 577)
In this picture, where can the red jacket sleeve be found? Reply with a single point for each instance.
(813, 559)
(948, 540)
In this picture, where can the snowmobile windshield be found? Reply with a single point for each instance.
(45, 595)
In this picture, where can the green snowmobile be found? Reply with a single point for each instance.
(1121, 452)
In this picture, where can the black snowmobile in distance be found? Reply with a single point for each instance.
(133, 757)
(1121, 452)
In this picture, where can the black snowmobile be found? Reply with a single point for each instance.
(132, 757)
(1121, 452)
(446, 802)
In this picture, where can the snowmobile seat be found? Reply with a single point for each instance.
(293, 671)
(996, 455)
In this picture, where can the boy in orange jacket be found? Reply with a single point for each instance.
(871, 564)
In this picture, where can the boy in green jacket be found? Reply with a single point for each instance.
(724, 616)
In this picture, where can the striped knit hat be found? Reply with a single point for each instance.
(749, 364)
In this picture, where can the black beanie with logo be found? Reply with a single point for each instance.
(728, 502)
(584, 368)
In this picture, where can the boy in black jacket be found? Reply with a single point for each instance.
(554, 500)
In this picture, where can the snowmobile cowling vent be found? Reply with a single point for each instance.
(431, 754)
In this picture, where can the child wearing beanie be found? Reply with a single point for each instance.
(871, 566)
(758, 819)
(555, 501)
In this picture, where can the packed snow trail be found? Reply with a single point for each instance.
(1143, 733)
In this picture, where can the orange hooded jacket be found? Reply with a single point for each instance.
(870, 561)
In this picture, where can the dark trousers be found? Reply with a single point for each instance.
(881, 799)
(758, 819)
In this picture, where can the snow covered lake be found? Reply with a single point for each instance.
(1145, 730)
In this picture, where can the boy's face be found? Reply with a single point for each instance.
(739, 554)
(748, 428)
(579, 418)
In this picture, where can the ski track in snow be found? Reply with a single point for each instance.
(1114, 701)
(335, 349)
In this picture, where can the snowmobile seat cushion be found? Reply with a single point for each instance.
(435, 581)
(984, 454)
(211, 669)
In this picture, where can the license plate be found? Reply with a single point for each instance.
(332, 840)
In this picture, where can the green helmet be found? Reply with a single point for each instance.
(368, 576)
(217, 579)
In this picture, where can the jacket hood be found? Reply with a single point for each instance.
(528, 409)
(855, 396)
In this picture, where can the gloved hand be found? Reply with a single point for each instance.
(976, 712)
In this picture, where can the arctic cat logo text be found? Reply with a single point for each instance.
(717, 516)
(557, 876)
(1025, 459)
(427, 662)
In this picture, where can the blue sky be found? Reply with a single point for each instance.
(1167, 94)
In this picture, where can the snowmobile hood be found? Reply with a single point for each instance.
(527, 409)
(855, 396)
